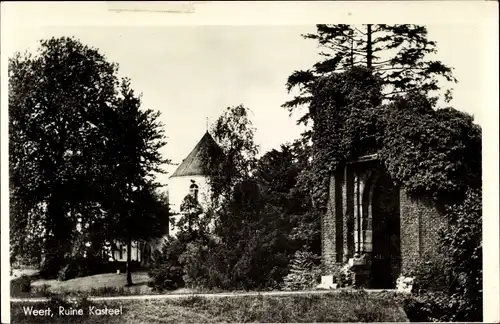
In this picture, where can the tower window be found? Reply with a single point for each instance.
(193, 190)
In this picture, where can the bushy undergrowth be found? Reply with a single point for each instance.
(304, 273)
(449, 286)
(431, 306)
(166, 271)
(21, 285)
(22, 288)
(199, 260)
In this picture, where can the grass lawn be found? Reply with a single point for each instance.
(16, 273)
(106, 284)
(97, 282)
(339, 307)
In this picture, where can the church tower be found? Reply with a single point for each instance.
(190, 176)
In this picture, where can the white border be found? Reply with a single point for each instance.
(29, 15)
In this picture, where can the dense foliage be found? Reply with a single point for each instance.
(262, 223)
(431, 152)
(396, 54)
(166, 271)
(260, 217)
(434, 152)
(462, 245)
(269, 213)
(253, 244)
(54, 112)
(345, 109)
(280, 174)
(304, 272)
(21, 284)
(83, 154)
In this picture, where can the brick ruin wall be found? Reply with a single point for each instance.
(419, 221)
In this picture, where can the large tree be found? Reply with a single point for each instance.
(136, 137)
(247, 228)
(279, 174)
(234, 133)
(56, 100)
(83, 154)
(397, 54)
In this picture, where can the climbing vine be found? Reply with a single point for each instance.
(342, 108)
(431, 152)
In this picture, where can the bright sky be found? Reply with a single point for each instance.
(191, 67)
(191, 73)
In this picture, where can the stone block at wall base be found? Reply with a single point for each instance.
(327, 283)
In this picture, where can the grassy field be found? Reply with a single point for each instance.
(106, 284)
(97, 283)
(16, 273)
(339, 307)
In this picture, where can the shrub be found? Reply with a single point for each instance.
(462, 241)
(304, 271)
(165, 271)
(194, 262)
(450, 286)
(431, 306)
(205, 265)
(432, 274)
(20, 285)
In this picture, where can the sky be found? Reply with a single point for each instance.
(192, 73)
(192, 66)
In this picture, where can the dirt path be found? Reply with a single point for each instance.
(214, 295)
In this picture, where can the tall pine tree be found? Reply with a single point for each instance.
(397, 54)
(138, 214)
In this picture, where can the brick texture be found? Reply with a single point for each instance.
(328, 231)
(419, 224)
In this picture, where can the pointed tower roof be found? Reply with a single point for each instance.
(192, 164)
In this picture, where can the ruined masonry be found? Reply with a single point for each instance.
(375, 226)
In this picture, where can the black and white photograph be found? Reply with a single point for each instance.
(211, 162)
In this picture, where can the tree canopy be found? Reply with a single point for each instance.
(56, 103)
(82, 152)
(397, 54)
(436, 152)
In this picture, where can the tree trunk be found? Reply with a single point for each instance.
(369, 49)
(57, 246)
(129, 257)
(352, 48)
